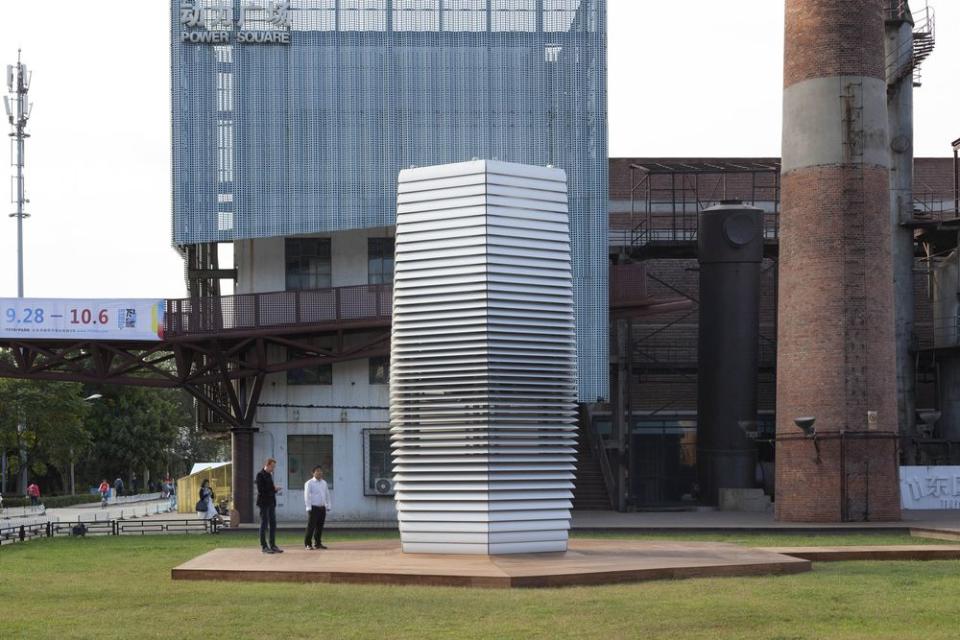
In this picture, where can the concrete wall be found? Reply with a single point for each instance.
(319, 409)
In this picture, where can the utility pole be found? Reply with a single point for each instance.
(18, 110)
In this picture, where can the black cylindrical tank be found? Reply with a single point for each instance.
(730, 255)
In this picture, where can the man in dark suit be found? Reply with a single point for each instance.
(267, 501)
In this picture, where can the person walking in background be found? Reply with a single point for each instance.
(267, 493)
(316, 498)
(104, 491)
(118, 487)
(206, 507)
(33, 492)
(172, 493)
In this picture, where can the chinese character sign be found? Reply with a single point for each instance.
(190, 14)
(220, 17)
(930, 487)
(275, 14)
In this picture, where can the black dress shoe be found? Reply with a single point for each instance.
(267, 550)
(276, 550)
(320, 546)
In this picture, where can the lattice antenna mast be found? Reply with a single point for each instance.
(18, 109)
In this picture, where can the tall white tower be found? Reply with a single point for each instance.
(483, 359)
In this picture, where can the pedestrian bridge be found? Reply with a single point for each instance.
(204, 345)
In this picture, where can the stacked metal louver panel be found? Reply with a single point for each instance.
(483, 359)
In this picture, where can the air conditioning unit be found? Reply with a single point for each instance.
(383, 486)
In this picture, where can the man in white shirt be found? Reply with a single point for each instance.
(316, 498)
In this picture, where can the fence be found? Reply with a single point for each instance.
(25, 532)
(278, 309)
(138, 497)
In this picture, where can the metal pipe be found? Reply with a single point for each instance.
(899, 51)
(956, 177)
(730, 253)
(844, 515)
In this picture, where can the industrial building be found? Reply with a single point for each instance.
(291, 151)
(749, 331)
(655, 209)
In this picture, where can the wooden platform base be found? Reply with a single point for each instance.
(588, 562)
(871, 552)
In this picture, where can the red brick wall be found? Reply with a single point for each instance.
(849, 481)
(836, 334)
(833, 37)
(836, 342)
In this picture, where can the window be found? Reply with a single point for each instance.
(225, 91)
(362, 15)
(225, 150)
(416, 15)
(514, 15)
(380, 370)
(376, 460)
(317, 374)
(224, 211)
(224, 220)
(464, 15)
(303, 454)
(308, 263)
(224, 53)
(380, 260)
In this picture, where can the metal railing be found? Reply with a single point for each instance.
(134, 498)
(934, 206)
(905, 61)
(25, 532)
(278, 309)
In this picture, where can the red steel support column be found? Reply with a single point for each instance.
(242, 479)
(836, 349)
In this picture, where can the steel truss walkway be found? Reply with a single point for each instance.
(216, 348)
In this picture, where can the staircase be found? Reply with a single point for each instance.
(923, 45)
(590, 493)
(906, 62)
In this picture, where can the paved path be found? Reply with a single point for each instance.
(93, 512)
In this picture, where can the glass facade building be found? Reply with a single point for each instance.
(294, 118)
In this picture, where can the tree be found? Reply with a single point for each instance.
(194, 444)
(43, 421)
(147, 431)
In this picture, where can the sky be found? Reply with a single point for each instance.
(686, 78)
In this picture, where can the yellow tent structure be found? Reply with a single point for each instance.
(188, 487)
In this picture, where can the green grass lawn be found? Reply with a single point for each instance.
(121, 588)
